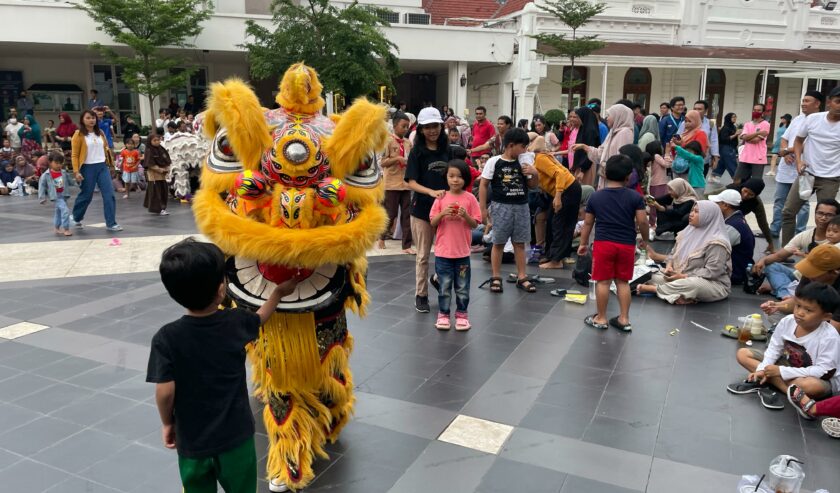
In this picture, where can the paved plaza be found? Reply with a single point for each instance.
(530, 400)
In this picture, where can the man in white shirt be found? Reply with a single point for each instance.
(787, 173)
(11, 130)
(817, 150)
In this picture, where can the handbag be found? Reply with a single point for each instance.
(583, 270)
(806, 186)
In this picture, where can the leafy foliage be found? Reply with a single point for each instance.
(144, 27)
(574, 14)
(554, 117)
(345, 45)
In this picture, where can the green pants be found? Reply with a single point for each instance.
(235, 470)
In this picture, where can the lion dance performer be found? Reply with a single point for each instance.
(290, 193)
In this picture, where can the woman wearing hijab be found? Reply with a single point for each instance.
(157, 163)
(751, 202)
(649, 131)
(620, 121)
(698, 269)
(672, 210)
(728, 138)
(64, 133)
(585, 131)
(30, 138)
(693, 132)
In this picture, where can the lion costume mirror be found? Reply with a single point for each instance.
(291, 193)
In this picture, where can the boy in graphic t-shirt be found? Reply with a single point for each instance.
(618, 212)
(509, 181)
(130, 158)
(198, 364)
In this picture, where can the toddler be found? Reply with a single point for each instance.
(455, 215)
(689, 166)
(130, 158)
(54, 185)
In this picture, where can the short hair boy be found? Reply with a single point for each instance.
(617, 211)
(200, 358)
(803, 351)
(509, 182)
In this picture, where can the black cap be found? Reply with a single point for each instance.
(816, 95)
(835, 93)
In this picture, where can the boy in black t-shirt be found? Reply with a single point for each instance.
(508, 183)
(203, 354)
(616, 211)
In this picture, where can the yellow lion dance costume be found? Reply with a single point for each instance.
(291, 193)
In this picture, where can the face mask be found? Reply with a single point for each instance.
(13, 121)
(756, 115)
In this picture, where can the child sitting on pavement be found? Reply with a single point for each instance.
(804, 350)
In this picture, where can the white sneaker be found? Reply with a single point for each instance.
(277, 486)
(115, 227)
(652, 235)
(164, 213)
(714, 179)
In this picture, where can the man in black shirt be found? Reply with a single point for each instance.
(203, 354)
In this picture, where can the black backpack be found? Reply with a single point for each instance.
(583, 270)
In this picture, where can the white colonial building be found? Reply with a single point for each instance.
(466, 53)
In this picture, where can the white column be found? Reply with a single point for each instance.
(604, 87)
(763, 95)
(804, 88)
(147, 114)
(330, 103)
(457, 97)
(703, 82)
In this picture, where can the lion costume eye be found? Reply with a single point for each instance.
(222, 159)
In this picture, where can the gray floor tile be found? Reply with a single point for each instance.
(575, 484)
(445, 467)
(6, 372)
(134, 388)
(14, 415)
(31, 360)
(506, 476)
(121, 469)
(377, 445)
(29, 477)
(103, 377)
(79, 485)
(81, 450)
(36, 435)
(442, 395)
(133, 423)
(391, 383)
(519, 392)
(352, 475)
(557, 421)
(67, 368)
(633, 437)
(665, 476)
(8, 458)
(53, 397)
(413, 419)
(94, 409)
(23, 384)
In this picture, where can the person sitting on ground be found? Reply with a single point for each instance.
(509, 181)
(821, 265)
(740, 235)
(672, 210)
(779, 276)
(699, 268)
(617, 212)
(803, 351)
(751, 202)
(10, 182)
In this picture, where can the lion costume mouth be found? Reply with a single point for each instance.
(251, 283)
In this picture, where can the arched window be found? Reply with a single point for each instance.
(771, 98)
(715, 93)
(637, 86)
(579, 91)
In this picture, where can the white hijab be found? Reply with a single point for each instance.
(693, 240)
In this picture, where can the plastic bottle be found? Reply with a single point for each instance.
(757, 325)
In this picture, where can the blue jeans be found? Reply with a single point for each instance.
(96, 174)
(453, 271)
(779, 276)
(728, 161)
(62, 213)
(782, 190)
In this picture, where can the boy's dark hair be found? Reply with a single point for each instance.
(481, 108)
(703, 102)
(625, 102)
(458, 152)
(398, 117)
(56, 157)
(666, 104)
(455, 130)
(835, 221)
(830, 203)
(171, 125)
(462, 168)
(506, 119)
(675, 100)
(654, 148)
(822, 294)
(128, 139)
(694, 147)
(191, 272)
(618, 168)
(515, 136)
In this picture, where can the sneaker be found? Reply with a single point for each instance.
(277, 486)
(76, 224)
(771, 399)
(164, 213)
(125, 196)
(831, 426)
(442, 322)
(744, 387)
(714, 179)
(462, 321)
(421, 304)
(435, 282)
(115, 227)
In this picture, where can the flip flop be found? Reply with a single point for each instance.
(620, 326)
(590, 321)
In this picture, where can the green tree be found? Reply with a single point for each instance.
(574, 14)
(345, 45)
(140, 30)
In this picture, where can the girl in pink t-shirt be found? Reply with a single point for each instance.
(455, 215)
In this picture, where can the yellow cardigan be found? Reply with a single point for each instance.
(78, 151)
(554, 177)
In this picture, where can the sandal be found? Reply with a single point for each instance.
(795, 395)
(590, 321)
(495, 285)
(526, 285)
(831, 426)
(620, 326)
(534, 278)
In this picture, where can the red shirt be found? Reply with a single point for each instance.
(481, 133)
(130, 160)
(58, 179)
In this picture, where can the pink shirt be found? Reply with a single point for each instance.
(755, 153)
(572, 140)
(454, 235)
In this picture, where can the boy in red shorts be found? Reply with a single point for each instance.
(617, 211)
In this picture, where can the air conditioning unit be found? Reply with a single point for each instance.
(389, 16)
(421, 19)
